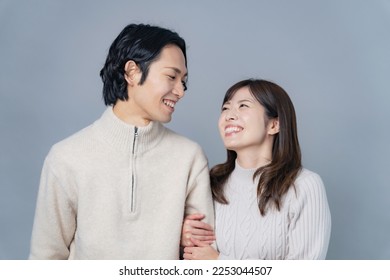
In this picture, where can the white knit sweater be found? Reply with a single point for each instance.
(110, 193)
(301, 230)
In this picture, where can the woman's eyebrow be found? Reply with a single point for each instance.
(245, 100)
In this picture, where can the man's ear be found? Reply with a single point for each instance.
(273, 126)
(132, 73)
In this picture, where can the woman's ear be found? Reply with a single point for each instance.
(132, 73)
(273, 126)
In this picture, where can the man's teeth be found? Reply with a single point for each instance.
(231, 129)
(169, 103)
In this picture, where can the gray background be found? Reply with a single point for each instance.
(332, 57)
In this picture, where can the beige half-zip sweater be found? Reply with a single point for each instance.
(114, 191)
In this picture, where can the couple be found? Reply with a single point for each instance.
(121, 188)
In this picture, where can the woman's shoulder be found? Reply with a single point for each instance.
(307, 175)
(308, 182)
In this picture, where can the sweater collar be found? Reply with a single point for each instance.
(122, 135)
(244, 171)
(243, 175)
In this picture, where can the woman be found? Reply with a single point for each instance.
(267, 205)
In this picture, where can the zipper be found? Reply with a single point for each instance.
(133, 155)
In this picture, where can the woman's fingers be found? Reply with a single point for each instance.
(193, 227)
(197, 228)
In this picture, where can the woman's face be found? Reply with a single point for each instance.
(243, 125)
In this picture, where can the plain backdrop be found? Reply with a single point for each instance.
(332, 57)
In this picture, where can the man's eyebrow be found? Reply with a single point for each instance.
(178, 71)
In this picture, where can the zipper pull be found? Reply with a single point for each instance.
(135, 137)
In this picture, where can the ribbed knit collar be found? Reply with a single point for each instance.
(244, 175)
(121, 135)
(241, 169)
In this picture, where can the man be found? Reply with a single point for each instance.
(119, 189)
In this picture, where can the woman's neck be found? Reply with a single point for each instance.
(249, 159)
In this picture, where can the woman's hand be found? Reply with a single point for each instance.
(202, 252)
(194, 228)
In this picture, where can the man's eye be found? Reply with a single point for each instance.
(184, 85)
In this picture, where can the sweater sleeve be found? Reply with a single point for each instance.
(199, 199)
(310, 224)
(55, 219)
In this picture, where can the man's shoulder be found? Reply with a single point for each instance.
(75, 139)
(180, 139)
(182, 145)
(72, 145)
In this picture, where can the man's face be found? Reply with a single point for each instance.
(156, 98)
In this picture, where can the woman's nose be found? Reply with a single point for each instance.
(231, 115)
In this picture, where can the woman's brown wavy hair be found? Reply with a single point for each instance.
(279, 175)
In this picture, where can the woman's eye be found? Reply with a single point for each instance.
(171, 77)
(224, 108)
(243, 105)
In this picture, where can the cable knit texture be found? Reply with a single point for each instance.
(301, 230)
(112, 191)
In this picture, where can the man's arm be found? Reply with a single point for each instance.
(55, 219)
